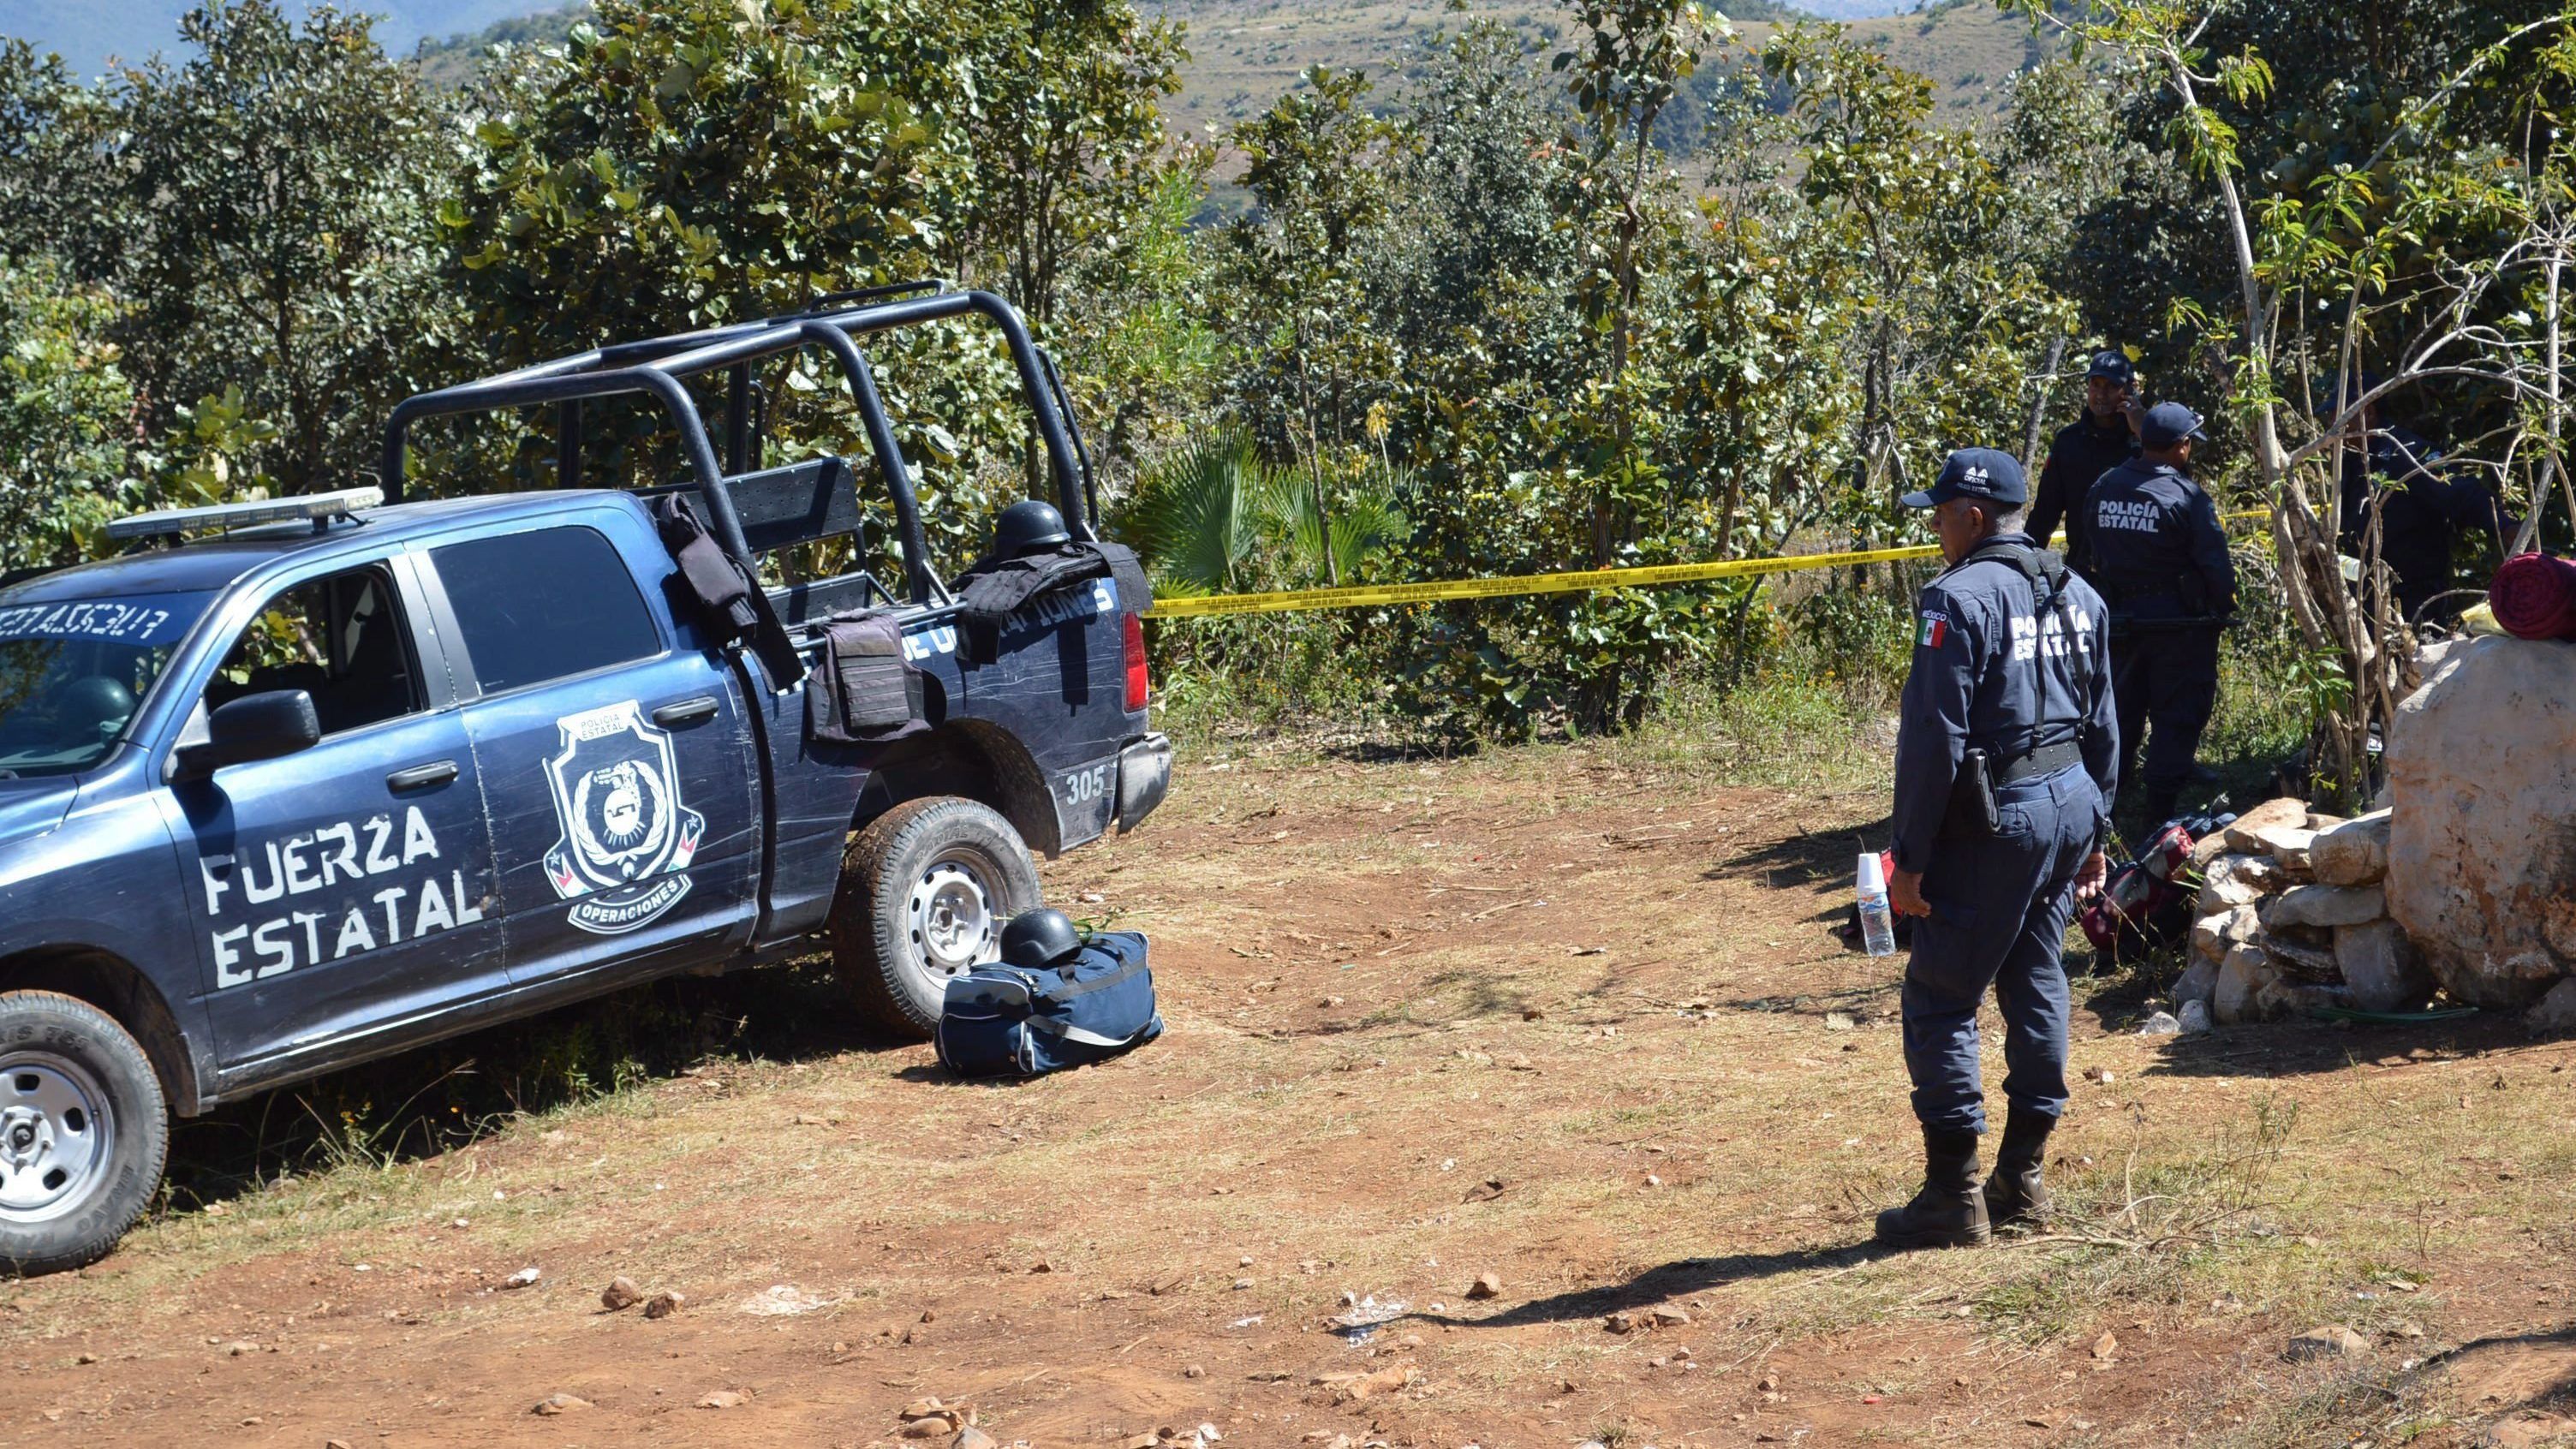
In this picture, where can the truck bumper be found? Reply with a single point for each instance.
(1144, 776)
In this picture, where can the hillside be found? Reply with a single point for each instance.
(1244, 53)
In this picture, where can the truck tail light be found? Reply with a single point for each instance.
(1139, 681)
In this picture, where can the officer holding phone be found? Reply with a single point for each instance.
(2102, 437)
(2006, 759)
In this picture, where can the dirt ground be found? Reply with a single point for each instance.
(1573, 1017)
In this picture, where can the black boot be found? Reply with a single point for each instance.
(1949, 1212)
(2014, 1194)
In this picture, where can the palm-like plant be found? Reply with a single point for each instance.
(1197, 515)
(1214, 518)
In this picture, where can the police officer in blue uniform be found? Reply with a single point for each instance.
(2102, 437)
(2160, 560)
(2423, 508)
(2006, 759)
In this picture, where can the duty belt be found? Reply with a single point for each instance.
(2045, 761)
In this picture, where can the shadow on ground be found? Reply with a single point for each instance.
(1811, 858)
(1671, 1280)
(448, 1094)
(2298, 1048)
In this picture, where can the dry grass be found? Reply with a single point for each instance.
(1351, 1052)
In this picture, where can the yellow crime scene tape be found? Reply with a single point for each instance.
(1579, 581)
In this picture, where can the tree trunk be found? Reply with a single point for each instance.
(2039, 406)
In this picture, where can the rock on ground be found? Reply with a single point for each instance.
(2354, 853)
(2286, 844)
(2212, 934)
(2331, 1340)
(2556, 1010)
(2381, 968)
(2241, 979)
(2287, 810)
(2325, 905)
(2198, 983)
(2236, 880)
(2482, 842)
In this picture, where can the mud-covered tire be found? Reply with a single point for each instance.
(925, 889)
(84, 1132)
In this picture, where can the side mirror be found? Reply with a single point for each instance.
(253, 727)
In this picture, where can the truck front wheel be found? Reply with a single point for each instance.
(925, 889)
(83, 1132)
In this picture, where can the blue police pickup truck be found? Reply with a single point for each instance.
(290, 785)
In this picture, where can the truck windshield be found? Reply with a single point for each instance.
(73, 671)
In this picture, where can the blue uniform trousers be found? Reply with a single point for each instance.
(2167, 678)
(1999, 914)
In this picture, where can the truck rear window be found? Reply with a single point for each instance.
(543, 605)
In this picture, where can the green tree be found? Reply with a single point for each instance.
(695, 163)
(1073, 168)
(269, 212)
(1629, 61)
(1298, 267)
(2427, 244)
(66, 418)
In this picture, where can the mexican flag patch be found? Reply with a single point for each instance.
(1936, 627)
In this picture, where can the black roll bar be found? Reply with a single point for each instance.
(655, 367)
(570, 389)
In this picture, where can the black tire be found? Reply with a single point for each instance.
(84, 1132)
(899, 925)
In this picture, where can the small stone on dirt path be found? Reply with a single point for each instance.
(2331, 1340)
(971, 1437)
(664, 1304)
(722, 1399)
(524, 1278)
(553, 1404)
(620, 1293)
(1487, 1285)
(2107, 1345)
(1671, 1317)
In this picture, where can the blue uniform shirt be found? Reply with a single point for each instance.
(1986, 672)
(2157, 549)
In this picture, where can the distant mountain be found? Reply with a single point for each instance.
(87, 33)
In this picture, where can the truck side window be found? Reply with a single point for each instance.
(339, 639)
(544, 604)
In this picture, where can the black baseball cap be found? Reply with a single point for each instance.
(2113, 364)
(1979, 473)
(2168, 423)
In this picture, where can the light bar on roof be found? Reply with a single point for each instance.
(302, 508)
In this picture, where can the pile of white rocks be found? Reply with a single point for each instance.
(2293, 914)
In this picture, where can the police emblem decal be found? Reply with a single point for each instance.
(627, 837)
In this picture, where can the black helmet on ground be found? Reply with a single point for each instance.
(1039, 938)
(1028, 526)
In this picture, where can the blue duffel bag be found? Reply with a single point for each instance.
(1004, 1021)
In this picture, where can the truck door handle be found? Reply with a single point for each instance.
(437, 772)
(687, 711)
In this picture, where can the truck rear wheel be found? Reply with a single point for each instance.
(925, 890)
(83, 1132)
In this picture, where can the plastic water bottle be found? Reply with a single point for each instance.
(1877, 923)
